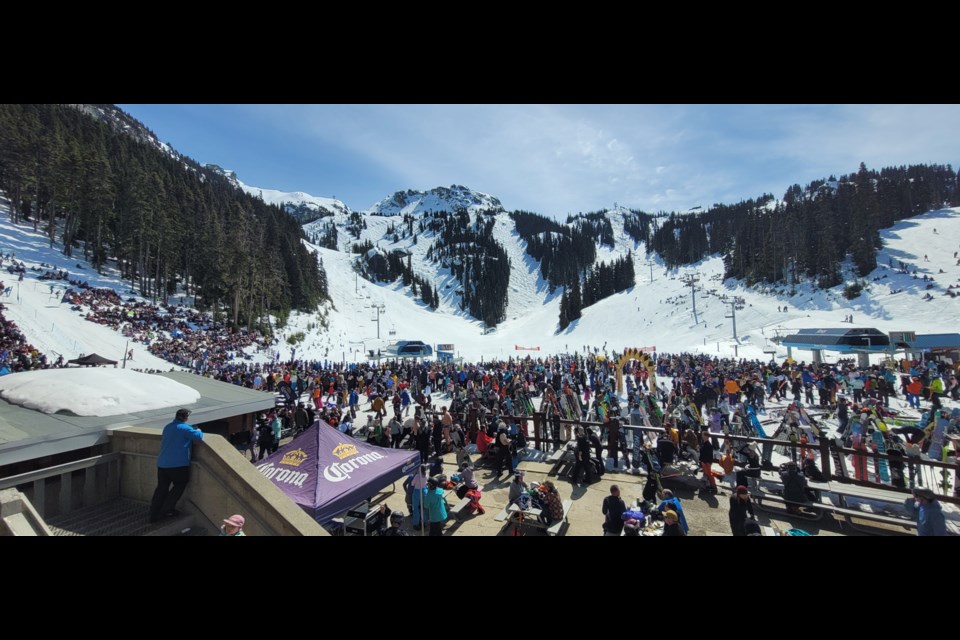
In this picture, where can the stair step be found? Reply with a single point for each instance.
(119, 517)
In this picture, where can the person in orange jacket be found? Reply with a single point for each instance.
(732, 388)
(913, 392)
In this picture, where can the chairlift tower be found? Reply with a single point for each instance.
(381, 308)
(690, 280)
(733, 316)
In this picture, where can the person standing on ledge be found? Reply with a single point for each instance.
(173, 465)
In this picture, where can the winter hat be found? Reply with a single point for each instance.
(670, 513)
(742, 489)
(235, 521)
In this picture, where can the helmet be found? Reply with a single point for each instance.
(396, 516)
(183, 414)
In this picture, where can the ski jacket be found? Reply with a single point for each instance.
(930, 520)
(793, 486)
(739, 510)
(674, 504)
(613, 507)
(176, 445)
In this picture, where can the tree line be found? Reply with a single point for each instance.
(380, 267)
(600, 282)
(161, 218)
(565, 253)
(812, 230)
(478, 262)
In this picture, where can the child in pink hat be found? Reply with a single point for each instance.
(233, 526)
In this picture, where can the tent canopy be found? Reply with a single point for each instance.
(327, 472)
(91, 360)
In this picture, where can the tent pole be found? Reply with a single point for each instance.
(423, 472)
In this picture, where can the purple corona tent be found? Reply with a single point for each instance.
(327, 472)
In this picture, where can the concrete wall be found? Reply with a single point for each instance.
(18, 517)
(222, 482)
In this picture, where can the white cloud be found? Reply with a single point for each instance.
(566, 158)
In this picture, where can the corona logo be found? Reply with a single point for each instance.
(284, 476)
(294, 458)
(339, 471)
(345, 450)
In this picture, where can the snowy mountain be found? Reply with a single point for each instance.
(433, 263)
(440, 199)
(120, 121)
(300, 205)
(653, 313)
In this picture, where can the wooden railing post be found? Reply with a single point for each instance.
(537, 422)
(826, 458)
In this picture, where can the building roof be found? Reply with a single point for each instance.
(935, 341)
(839, 339)
(26, 434)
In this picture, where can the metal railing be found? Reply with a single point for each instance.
(538, 428)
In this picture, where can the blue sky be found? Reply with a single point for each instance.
(555, 159)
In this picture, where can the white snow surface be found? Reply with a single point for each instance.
(439, 199)
(656, 314)
(94, 391)
(320, 204)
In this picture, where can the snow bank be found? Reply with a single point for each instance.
(94, 391)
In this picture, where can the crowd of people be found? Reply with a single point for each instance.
(16, 353)
(699, 398)
(178, 334)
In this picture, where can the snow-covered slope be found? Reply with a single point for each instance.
(657, 313)
(298, 203)
(34, 305)
(440, 199)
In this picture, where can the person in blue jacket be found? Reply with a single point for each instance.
(924, 507)
(672, 502)
(173, 465)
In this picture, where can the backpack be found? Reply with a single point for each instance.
(811, 470)
(524, 502)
